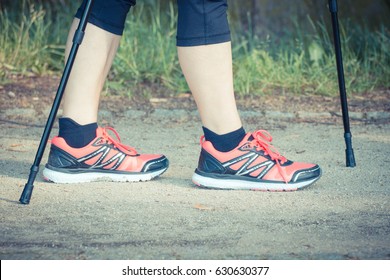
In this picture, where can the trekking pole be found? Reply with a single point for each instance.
(77, 39)
(350, 158)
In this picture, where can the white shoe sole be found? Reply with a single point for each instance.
(69, 178)
(231, 184)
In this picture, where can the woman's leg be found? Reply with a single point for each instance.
(208, 71)
(205, 56)
(229, 159)
(94, 57)
(89, 72)
(84, 152)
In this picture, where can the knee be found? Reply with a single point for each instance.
(109, 15)
(202, 22)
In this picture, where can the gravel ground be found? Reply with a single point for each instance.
(345, 215)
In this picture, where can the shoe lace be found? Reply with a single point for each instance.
(262, 141)
(117, 143)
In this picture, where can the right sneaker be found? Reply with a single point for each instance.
(253, 165)
(103, 159)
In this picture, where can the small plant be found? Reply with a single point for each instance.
(301, 62)
(25, 44)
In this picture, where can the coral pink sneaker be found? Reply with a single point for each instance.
(253, 165)
(104, 158)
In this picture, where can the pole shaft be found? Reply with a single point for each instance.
(340, 71)
(350, 158)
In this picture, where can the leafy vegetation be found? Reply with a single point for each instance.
(301, 61)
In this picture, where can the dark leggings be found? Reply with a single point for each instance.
(200, 22)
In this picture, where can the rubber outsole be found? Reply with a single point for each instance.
(87, 177)
(229, 184)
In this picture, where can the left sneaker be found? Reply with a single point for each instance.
(253, 165)
(103, 159)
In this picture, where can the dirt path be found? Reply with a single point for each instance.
(345, 215)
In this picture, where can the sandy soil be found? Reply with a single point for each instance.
(345, 215)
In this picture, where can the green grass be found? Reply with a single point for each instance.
(27, 43)
(148, 52)
(301, 63)
(305, 63)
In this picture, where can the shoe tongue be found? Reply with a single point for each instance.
(101, 141)
(248, 138)
(99, 132)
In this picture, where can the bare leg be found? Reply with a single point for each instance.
(209, 74)
(89, 72)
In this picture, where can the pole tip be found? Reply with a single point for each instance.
(350, 158)
(26, 194)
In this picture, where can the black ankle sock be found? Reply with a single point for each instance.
(76, 135)
(225, 142)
